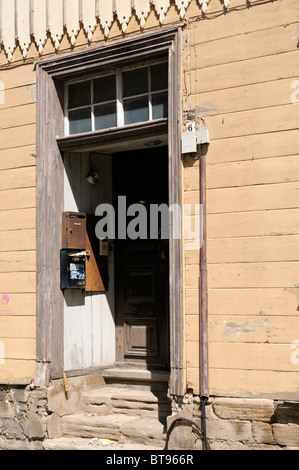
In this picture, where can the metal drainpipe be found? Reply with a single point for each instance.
(204, 365)
(203, 286)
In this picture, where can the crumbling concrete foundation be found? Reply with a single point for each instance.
(29, 416)
(235, 424)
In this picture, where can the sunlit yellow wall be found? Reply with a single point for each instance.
(241, 76)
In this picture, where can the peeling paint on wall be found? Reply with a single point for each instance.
(32, 89)
(294, 95)
(2, 93)
(294, 291)
(295, 354)
(237, 330)
(207, 109)
(2, 353)
(296, 35)
(196, 114)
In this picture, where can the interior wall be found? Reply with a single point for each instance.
(89, 320)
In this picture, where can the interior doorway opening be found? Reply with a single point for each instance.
(128, 325)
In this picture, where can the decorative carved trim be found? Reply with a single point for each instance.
(89, 17)
(72, 19)
(7, 27)
(55, 22)
(182, 6)
(204, 4)
(23, 25)
(39, 17)
(106, 15)
(142, 10)
(123, 9)
(161, 7)
(22, 20)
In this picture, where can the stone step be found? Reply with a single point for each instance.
(67, 443)
(112, 399)
(118, 427)
(145, 431)
(138, 378)
(134, 376)
(94, 425)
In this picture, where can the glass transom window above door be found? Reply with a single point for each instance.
(119, 98)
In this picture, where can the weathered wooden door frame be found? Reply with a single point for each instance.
(51, 75)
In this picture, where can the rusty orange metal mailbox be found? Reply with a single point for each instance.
(84, 262)
(73, 231)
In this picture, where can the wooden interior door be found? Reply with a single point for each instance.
(141, 265)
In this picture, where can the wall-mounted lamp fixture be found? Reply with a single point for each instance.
(154, 143)
(92, 178)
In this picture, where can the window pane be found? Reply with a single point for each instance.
(159, 77)
(135, 82)
(136, 110)
(105, 89)
(160, 106)
(79, 94)
(105, 116)
(80, 121)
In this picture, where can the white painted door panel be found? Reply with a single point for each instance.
(89, 320)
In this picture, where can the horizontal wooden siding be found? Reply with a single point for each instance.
(240, 70)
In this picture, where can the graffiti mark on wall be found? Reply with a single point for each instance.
(5, 302)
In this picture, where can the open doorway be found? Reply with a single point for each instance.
(141, 259)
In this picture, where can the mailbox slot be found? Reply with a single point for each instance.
(73, 231)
